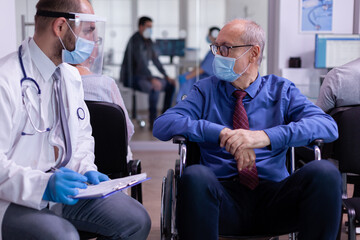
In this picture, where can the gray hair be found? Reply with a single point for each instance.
(254, 34)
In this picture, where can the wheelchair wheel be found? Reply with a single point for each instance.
(177, 168)
(166, 205)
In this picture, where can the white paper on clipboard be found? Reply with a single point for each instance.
(108, 187)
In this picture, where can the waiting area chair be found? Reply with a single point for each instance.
(189, 154)
(111, 142)
(346, 149)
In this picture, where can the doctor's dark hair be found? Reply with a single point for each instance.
(143, 20)
(41, 23)
(255, 35)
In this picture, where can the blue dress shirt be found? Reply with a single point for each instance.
(273, 104)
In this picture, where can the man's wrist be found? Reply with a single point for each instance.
(262, 138)
(223, 131)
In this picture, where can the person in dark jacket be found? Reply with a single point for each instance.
(135, 72)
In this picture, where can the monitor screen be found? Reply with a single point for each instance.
(170, 47)
(335, 50)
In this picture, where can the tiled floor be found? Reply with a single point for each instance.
(157, 157)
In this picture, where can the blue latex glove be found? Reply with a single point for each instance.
(95, 177)
(182, 78)
(63, 184)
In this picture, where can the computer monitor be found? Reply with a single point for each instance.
(333, 50)
(170, 47)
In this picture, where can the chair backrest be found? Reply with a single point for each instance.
(110, 133)
(346, 149)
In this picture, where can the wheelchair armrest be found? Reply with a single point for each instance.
(318, 142)
(181, 140)
(178, 139)
(316, 145)
(134, 167)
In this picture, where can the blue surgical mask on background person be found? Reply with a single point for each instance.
(147, 33)
(82, 51)
(208, 39)
(224, 67)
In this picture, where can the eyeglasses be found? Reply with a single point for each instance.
(224, 50)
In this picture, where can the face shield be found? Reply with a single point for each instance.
(89, 31)
(92, 28)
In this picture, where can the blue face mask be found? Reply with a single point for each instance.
(147, 33)
(208, 40)
(224, 67)
(82, 51)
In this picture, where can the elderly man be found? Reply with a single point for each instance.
(46, 147)
(244, 123)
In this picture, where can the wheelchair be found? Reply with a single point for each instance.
(189, 153)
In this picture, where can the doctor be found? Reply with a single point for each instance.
(46, 148)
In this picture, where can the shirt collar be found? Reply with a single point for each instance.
(251, 90)
(45, 66)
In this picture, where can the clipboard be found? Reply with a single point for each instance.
(106, 188)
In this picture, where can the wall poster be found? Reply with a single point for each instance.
(316, 15)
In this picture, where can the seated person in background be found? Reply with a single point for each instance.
(341, 88)
(98, 87)
(188, 79)
(135, 72)
(244, 124)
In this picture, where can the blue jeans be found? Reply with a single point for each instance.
(115, 217)
(309, 201)
(144, 85)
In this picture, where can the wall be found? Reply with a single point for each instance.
(8, 27)
(294, 43)
(286, 40)
(357, 16)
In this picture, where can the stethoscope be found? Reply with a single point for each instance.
(34, 85)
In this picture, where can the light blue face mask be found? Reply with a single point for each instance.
(208, 40)
(82, 51)
(147, 33)
(224, 67)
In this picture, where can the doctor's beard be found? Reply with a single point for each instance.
(69, 42)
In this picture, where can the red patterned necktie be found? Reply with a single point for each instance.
(249, 178)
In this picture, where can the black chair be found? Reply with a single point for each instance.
(109, 130)
(346, 149)
(111, 143)
(189, 154)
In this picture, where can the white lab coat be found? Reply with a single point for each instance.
(23, 159)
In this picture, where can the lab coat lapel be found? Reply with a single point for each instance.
(69, 85)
